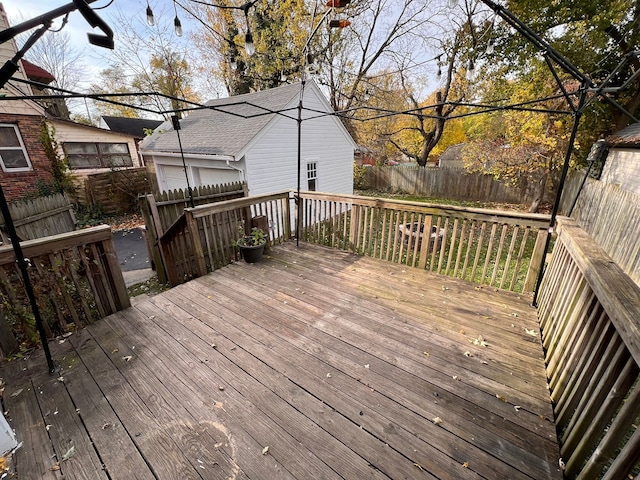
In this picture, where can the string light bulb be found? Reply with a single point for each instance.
(176, 21)
(150, 19)
(470, 70)
(249, 47)
(490, 47)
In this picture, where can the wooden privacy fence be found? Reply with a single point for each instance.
(501, 249)
(162, 210)
(589, 312)
(115, 191)
(450, 183)
(40, 217)
(188, 255)
(76, 278)
(610, 215)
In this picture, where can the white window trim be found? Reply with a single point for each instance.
(29, 166)
(315, 170)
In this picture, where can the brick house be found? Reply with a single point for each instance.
(23, 161)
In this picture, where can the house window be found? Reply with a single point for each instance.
(312, 176)
(13, 155)
(97, 155)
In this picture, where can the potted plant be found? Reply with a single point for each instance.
(252, 245)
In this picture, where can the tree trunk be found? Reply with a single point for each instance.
(540, 191)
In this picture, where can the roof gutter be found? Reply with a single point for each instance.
(196, 156)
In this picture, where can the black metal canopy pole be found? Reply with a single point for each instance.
(298, 202)
(176, 126)
(23, 263)
(563, 177)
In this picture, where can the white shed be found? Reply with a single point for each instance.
(254, 138)
(622, 166)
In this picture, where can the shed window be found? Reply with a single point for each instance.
(97, 155)
(13, 155)
(312, 176)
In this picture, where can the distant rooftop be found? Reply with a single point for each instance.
(131, 126)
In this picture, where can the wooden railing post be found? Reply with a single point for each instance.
(154, 232)
(353, 228)
(536, 261)
(116, 278)
(196, 244)
(286, 217)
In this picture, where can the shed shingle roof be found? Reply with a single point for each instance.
(225, 130)
(629, 136)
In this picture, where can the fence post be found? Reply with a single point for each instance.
(535, 263)
(196, 244)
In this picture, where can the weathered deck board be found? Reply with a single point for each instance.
(338, 363)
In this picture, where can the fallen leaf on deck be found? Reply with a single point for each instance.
(47, 427)
(437, 420)
(533, 333)
(417, 465)
(467, 354)
(70, 453)
(61, 341)
(55, 468)
(479, 341)
(61, 378)
(465, 464)
(462, 332)
(17, 392)
(427, 354)
(106, 425)
(501, 398)
(366, 366)
(115, 350)
(328, 375)
(265, 450)
(455, 377)
(514, 314)
(561, 464)
(517, 407)
(127, 358)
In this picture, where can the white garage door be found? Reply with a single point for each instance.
(215, 176)
(172, 177)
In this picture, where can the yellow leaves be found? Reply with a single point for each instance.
(436, 420)
(465, 464)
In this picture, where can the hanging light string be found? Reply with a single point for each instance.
(150, 19)
(176, 21)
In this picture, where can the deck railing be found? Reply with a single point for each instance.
(590, 321)
(188, 255)
(76, 278)
(496, 248)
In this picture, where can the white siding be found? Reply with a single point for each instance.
(272, 160)
(170, 172)
(623, 168)
(7, 51)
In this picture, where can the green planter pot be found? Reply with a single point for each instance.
(252, 253)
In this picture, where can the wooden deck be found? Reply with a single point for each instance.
(312, 364)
